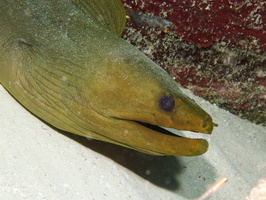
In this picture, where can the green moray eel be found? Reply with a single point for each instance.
(65, 62)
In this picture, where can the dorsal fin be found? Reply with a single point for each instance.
(108, 13)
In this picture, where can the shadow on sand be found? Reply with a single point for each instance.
(188, 177)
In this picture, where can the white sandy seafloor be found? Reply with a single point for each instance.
(37, 162)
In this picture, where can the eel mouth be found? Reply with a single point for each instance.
(163, 130)
(158, 129)
(156, 140)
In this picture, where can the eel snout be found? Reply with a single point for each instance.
(189, 116)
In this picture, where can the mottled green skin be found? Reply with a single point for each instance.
(66, 63)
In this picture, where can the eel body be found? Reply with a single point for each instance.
(66, 63)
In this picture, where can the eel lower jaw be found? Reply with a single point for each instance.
(177, 145)
(155, 140)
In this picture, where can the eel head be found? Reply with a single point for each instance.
(135, 98)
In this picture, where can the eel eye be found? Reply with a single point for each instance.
(167, 103)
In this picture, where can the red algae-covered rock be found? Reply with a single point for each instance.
(206, 21)
(225, 65)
